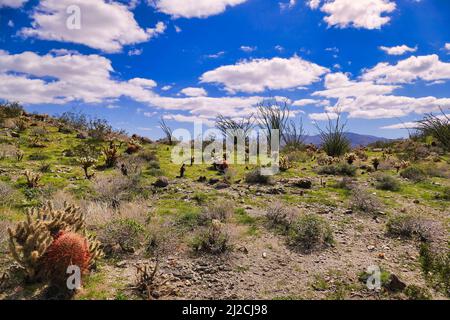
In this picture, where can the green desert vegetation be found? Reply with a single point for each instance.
(329, 208)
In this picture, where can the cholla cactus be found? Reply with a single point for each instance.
(19, 155)
(361, 154)
(86, 163)
(30, 240)
(111, 154)
(285, 164)
(326, 160)
(375, 163)
(32, 178)
(133, 146)
(350, 158)
(401, 165)
(28, 243)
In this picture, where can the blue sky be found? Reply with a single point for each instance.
(383, 63)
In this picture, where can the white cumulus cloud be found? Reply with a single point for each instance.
(194, 8)
(105, 25)
(58, 79)
(367, 14)
(338, 85)
(265, 74)
(194, 92)
(398, 50)
(12, 3)
(428, 68)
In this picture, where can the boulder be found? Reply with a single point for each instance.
(303, 184)
(161, 182)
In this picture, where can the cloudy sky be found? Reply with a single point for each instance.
(382, 62)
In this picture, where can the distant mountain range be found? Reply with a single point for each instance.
(355, 138)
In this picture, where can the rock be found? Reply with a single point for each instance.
(161, 182)
(276, 191)
(395, 284)
(264, 255)
(416, 201)
(303, 184)
(121, 264)
(81, 135)
(213, 181)
(349, 211)
(370, 248)
(15, 134)
(243, 250)
(221, 186)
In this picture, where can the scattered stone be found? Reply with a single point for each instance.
(81, 135)
(161, 182)
(213, 181)
(395, 284)
(370, 248)
(303, 184)
(349, 211)
(221, 186)
(121, 264)
(264, 255)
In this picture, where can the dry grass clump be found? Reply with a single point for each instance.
(7, 151)
(7, 194)
(255, 177)
(4, 225)
(362, 200)
(148, 155)
(221, 210)
(100, 213)
(213, 240)
(280, 215)
(131, 165)
(161, 238)
(434, 250)
(116, 189)
(413, 226)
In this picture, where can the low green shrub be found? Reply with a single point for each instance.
(444, 195)
(435, 261)
(340, 169)
(387, 183)
(414, 292)
(127, 233)
(310, 232)
(413, 174)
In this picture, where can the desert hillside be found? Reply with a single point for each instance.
(143, 232)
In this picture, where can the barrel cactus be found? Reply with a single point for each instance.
(68, 249)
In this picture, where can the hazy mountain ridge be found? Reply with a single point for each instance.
(355, 139)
